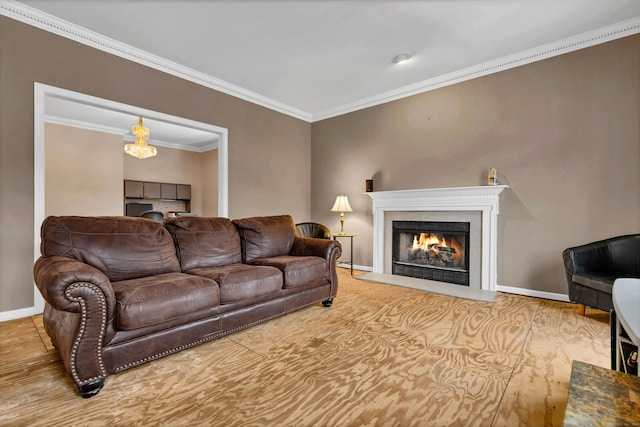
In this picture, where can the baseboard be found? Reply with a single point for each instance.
(16, 314)
(533, 293)
(355, 267)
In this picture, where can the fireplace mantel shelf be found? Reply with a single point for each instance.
(478, 195)
(480, 198)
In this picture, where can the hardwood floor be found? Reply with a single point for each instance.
(380, 356)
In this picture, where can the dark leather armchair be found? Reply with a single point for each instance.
(592, 268)
(153, 214)
(313, 229)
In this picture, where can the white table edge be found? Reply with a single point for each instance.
(626, 302)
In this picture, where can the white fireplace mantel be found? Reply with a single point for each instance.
(482, 198)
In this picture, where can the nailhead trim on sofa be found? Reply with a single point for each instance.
(103, 313)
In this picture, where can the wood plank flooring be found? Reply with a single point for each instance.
(380, 356)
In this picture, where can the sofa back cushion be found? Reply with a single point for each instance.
(121, 247)
(265, 236)
(205, 242)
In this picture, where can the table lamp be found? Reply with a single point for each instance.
(341, 205)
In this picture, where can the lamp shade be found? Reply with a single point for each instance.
(341, 205)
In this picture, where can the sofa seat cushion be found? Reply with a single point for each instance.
(297, 270)
(241, 281)
(155, 299)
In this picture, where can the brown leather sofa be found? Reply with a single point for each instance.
(122, 291)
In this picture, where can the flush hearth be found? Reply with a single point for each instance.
(431, 250)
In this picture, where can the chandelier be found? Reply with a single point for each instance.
(140, 148)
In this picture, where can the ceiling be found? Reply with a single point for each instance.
(318, 58)
(163, 133)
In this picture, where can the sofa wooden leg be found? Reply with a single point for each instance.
(328, 302)
(582, 309)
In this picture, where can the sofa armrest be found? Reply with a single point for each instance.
(330, 250)
(308, 246)
(58, 279)
(79, 316)
(590, 258)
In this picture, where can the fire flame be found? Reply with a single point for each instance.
(427, 239)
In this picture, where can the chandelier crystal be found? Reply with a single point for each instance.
(140, 148)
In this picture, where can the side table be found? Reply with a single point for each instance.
(601, 397)
(336, 236)
(625, 322)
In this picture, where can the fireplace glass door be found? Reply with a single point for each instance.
(431, 250)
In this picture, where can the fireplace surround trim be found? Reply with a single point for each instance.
(481, 198)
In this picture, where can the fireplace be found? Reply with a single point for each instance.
(432, 250)
(479, 205)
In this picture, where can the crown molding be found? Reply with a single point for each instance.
(570, 44)
(44, 21)
(52, 24)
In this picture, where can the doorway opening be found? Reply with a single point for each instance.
(44, 94)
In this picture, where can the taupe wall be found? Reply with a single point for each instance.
(210, 183)
(83, 172)
(564, 133)
(261, 141)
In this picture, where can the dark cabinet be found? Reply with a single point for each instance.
(168, 191)
(141, 190)
(152, 190)
(134, 189)
(183, 192)
(156, 190)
